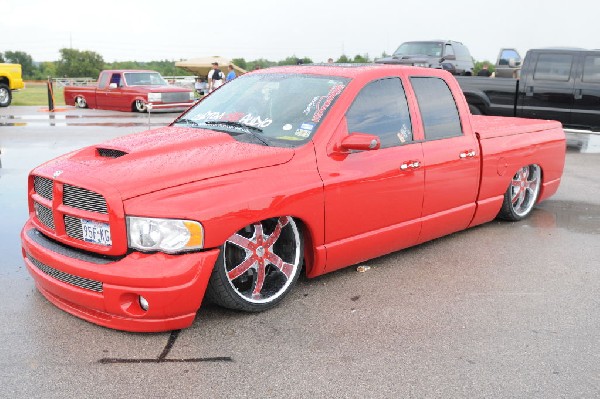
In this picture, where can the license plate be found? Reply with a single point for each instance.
(96, 232)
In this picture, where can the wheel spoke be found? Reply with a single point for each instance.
(241, 268)
(521, 199)
(258, 234)
(259, 281)
(284, 267)
(516, 194)
(272, 239)
(242, 242)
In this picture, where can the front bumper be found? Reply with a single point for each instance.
(106, 291)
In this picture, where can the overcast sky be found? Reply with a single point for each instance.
(274, 29)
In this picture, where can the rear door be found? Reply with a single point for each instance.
(451, 160)
(547, 92)
(586, 108)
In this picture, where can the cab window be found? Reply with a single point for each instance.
(103, 80)
(381, 109)
(438, 109)
(591, 69)
(555, 67)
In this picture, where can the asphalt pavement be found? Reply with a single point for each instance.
(503, 310)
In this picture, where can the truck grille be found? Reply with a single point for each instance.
(175, 97)
(81, 198)
(44, 214)
(73, 227)
(43, 187)
(80, 282)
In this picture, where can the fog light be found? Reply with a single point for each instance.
(144, 303)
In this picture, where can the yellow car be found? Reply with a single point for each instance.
(10, 79)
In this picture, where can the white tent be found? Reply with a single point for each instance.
(201, 66)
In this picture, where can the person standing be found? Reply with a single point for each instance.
(231, 75)
(485, 71)
(215, 77)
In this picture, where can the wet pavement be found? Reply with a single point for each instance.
(500, 310)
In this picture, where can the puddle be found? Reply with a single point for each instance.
(578, 217)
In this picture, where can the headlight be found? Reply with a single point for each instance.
(166, 235)
(154, 97)
(192, 95)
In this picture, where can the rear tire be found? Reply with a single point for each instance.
(257, 266)
(5, 95)
(80, 102)
(522, 193)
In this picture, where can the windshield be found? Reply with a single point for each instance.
(277, 109)
(431, 49)
(144, 79)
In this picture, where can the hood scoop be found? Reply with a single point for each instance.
(110, 153)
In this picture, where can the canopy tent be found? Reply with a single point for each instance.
(201, 66)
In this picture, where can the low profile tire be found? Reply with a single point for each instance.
(257, 266)
(474, 110)
(80, 102)
(139, 106)
(5, 96)
(522, 193)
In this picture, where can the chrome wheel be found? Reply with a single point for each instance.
(140, 106)
(80, 102)
(522, 193)
(525, 187)
(5, 96)
(258, 265)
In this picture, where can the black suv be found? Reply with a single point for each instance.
(441, 54)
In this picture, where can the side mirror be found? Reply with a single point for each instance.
(112, 86)
(514, 63)
(360, 142)
(450, 57)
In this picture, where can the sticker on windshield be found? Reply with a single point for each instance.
(302, 133)
(324, 102)
(307, 126)
(287, 126)
(246, 119)
(292, 138)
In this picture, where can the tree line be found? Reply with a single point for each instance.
(75, 63)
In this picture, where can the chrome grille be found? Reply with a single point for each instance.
(110, 153)
(81, 198)
(175, 97)
(44, 215)
(73, 227)
(43, 187)
(80, 282)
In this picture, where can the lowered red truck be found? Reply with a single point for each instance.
(281, 170)
(129, 90)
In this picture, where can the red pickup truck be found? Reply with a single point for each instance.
(284, 169)
(129, 90)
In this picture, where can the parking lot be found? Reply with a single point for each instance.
(500, 310)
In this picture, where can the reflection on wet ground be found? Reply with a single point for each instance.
(578, 217)
(61, 120)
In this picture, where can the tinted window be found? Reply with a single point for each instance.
(449, 50)
(381, 109)
(553, 67)
(507, 55)
(437, 106)
(591, 69)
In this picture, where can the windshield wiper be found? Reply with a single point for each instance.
(187, 121)
(252, 130)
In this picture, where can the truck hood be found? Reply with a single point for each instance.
(157, 159)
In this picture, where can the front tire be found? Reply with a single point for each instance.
(257, 266)
(522, 193)
(5, 95)
(139, 106)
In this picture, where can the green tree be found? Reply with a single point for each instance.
(240, 62)
(361, 59)
(1, 58)
(293, 60)
(343, 59)
(79, 64)
(21, 57)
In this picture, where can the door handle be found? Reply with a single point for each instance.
(410, 165)
(529, 91)
(467, 154)
(578, 94)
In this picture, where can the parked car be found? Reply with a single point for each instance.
(129, 90)
(280, 170)
(10, 80)
(559, 84)
(449, 55)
